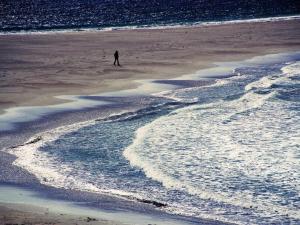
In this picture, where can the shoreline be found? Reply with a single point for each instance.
(173, 76)
(151, 207)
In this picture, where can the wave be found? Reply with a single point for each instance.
(241, 152)
(51, 171)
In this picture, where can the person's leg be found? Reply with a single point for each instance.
(115, 61)
(118, 62)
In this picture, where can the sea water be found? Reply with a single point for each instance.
(37, 15)
(227, 151)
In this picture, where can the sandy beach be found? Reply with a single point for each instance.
(34, 68)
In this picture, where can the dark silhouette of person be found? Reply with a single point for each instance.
(116, 55)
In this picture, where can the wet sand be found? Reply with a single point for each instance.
(35, 68)
(24, 205)
(26, 214)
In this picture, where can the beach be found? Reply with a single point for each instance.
(37, 67)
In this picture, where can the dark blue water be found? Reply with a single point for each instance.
(17, 15)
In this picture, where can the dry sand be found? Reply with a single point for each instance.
(34, 68)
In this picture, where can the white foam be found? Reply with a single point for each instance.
(291, 69)
(205, 150)
(157, 151)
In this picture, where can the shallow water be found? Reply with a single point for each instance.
(227, 151)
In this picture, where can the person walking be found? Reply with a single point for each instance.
(116, 55)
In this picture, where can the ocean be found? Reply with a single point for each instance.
(225, 150)
(43, 15)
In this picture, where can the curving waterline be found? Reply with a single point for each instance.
(54, 177)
